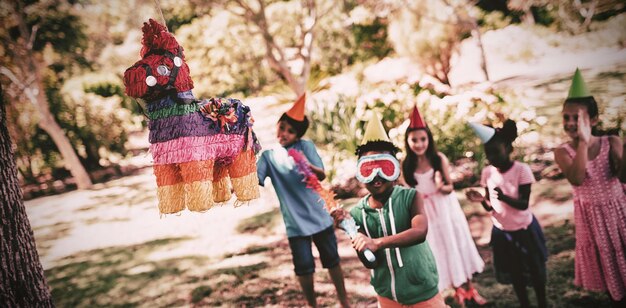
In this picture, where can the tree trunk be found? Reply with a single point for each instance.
(30, 66)
(50, 126)
(479, 43)
(274, 54)
(22, 281)
(528, 17)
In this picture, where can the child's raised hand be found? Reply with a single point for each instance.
(474, 196)
(361, 242)
(584, 126)
(499, 194)
(338, 215)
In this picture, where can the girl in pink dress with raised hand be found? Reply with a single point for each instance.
(592, 165)
(428, 171)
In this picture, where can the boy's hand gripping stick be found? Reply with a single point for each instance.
(349, 225)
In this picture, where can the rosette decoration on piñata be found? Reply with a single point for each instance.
(200, 148)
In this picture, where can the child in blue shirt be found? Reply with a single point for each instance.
(302, 209)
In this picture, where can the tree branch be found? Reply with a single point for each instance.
(33, 34)
(7, 72)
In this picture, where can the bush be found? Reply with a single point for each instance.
(339, 120)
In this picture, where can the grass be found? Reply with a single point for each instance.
(125, 276)
(200, 292)
(248, 251)
(261, 222)
(243, 272)
(115, 277)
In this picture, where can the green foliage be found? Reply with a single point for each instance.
(371, 40)
(58, 26)
(334, 46)
(200, 292)
(336, 125)
(178, 13)
(338, 120)
(430, 32)
(224, 58)
(264, 222)
(493, 20)
(337, 130)
(97, 126)
(94, 127)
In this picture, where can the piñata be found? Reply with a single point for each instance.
(200, 148)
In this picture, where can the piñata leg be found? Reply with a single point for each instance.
(198, 178)
(221, 184)
(244, 177)
(171, 188)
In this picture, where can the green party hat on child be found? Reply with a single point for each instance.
(485, 133)
(578, 88)
(374, 131)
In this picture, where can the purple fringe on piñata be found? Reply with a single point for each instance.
(196, 123)
(189, 125)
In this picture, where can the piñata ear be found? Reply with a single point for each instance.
(156, 37)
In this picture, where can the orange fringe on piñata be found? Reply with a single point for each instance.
(221, 184)
(244, 177)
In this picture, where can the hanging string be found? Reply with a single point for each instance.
(157, 4)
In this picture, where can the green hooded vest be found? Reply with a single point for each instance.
(407, 275)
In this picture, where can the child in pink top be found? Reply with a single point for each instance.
(592, 165)
(519, 251)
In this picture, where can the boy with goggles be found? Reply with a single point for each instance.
(393, 225)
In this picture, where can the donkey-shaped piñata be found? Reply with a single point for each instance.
(199, 147)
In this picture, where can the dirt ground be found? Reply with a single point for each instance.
(109, 247)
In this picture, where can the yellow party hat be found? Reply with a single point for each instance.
(374, 131)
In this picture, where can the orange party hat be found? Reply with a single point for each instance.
(297, 110)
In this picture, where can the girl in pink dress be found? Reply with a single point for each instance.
(517, 241)
(592, 164)
(448, 235)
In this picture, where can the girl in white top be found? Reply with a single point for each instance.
(449, 236)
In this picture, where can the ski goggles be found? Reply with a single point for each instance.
(384, 165)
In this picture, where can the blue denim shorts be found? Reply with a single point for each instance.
(302, 252)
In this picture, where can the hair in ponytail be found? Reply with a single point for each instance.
(506, 135)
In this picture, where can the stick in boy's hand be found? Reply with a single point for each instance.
(344, 221)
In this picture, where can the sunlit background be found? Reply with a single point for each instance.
(81, 144)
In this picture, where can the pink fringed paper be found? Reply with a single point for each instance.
(311, 180)
(188, 149)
